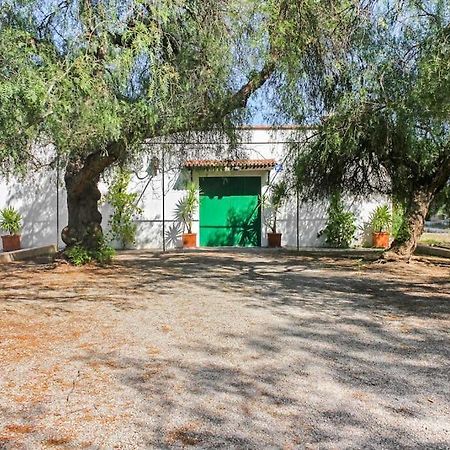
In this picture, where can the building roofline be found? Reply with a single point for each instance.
(235, 164)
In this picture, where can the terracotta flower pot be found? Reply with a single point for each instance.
(380, 240)
(189, 240)
(11, 242)
(274, 240)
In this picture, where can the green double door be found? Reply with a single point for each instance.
(230, 211)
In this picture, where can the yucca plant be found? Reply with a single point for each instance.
(381, 219)
(278, 195)
(10, 220)
(188, 205)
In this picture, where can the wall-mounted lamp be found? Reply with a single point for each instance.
(153, 167)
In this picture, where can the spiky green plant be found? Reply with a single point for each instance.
(188, 205)
(10, 220)
(278, 195)
(381, 219)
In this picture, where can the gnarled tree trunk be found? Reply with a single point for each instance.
(81, 179)
(417, 211)
(415, 215)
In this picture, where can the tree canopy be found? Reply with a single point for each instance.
(386, 126)
(82, 74)
(96, 78)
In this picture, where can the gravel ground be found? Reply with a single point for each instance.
(225, 350)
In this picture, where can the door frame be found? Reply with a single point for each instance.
(257, 209)
(263, 174)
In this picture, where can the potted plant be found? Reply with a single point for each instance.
(278, 196)
(380, 222)
(187, 208)
(10, 222)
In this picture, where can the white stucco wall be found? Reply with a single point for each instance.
(35, 196)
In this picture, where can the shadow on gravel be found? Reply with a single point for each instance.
(340, 367)
(343, 334)
(282, 282)
(332, 375)
(276, 399)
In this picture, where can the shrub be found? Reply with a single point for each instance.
(10, 220)
(399, 228)
(104, 254)
(340, 227)
(123, 203)
(80, 256)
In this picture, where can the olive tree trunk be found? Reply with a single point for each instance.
(84, 219)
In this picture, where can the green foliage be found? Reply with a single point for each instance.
(441, 203)
(97, 79)
(123, 203)
(187, 206)
(399, 225)
(385, 125)
(10, 220)
(86, 76)
(79, 256)
(278, 195)
(381, 219)
(104, 254)
(340, 228)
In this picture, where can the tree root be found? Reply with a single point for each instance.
(393, 256)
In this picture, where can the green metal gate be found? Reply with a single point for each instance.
(230, 211)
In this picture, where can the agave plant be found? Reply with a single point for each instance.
(187, 206)
(10, 220)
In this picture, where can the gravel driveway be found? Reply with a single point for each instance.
(225, 350)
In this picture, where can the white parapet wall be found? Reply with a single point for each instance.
(41, 198)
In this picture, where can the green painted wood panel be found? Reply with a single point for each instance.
(230, 211)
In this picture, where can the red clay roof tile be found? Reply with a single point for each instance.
(254, 164)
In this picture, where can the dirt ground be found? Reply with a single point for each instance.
(233, 349)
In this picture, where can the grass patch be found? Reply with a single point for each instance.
(436, 239)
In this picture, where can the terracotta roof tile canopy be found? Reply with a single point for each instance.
(233, 164)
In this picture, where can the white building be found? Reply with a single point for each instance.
(230, 184)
